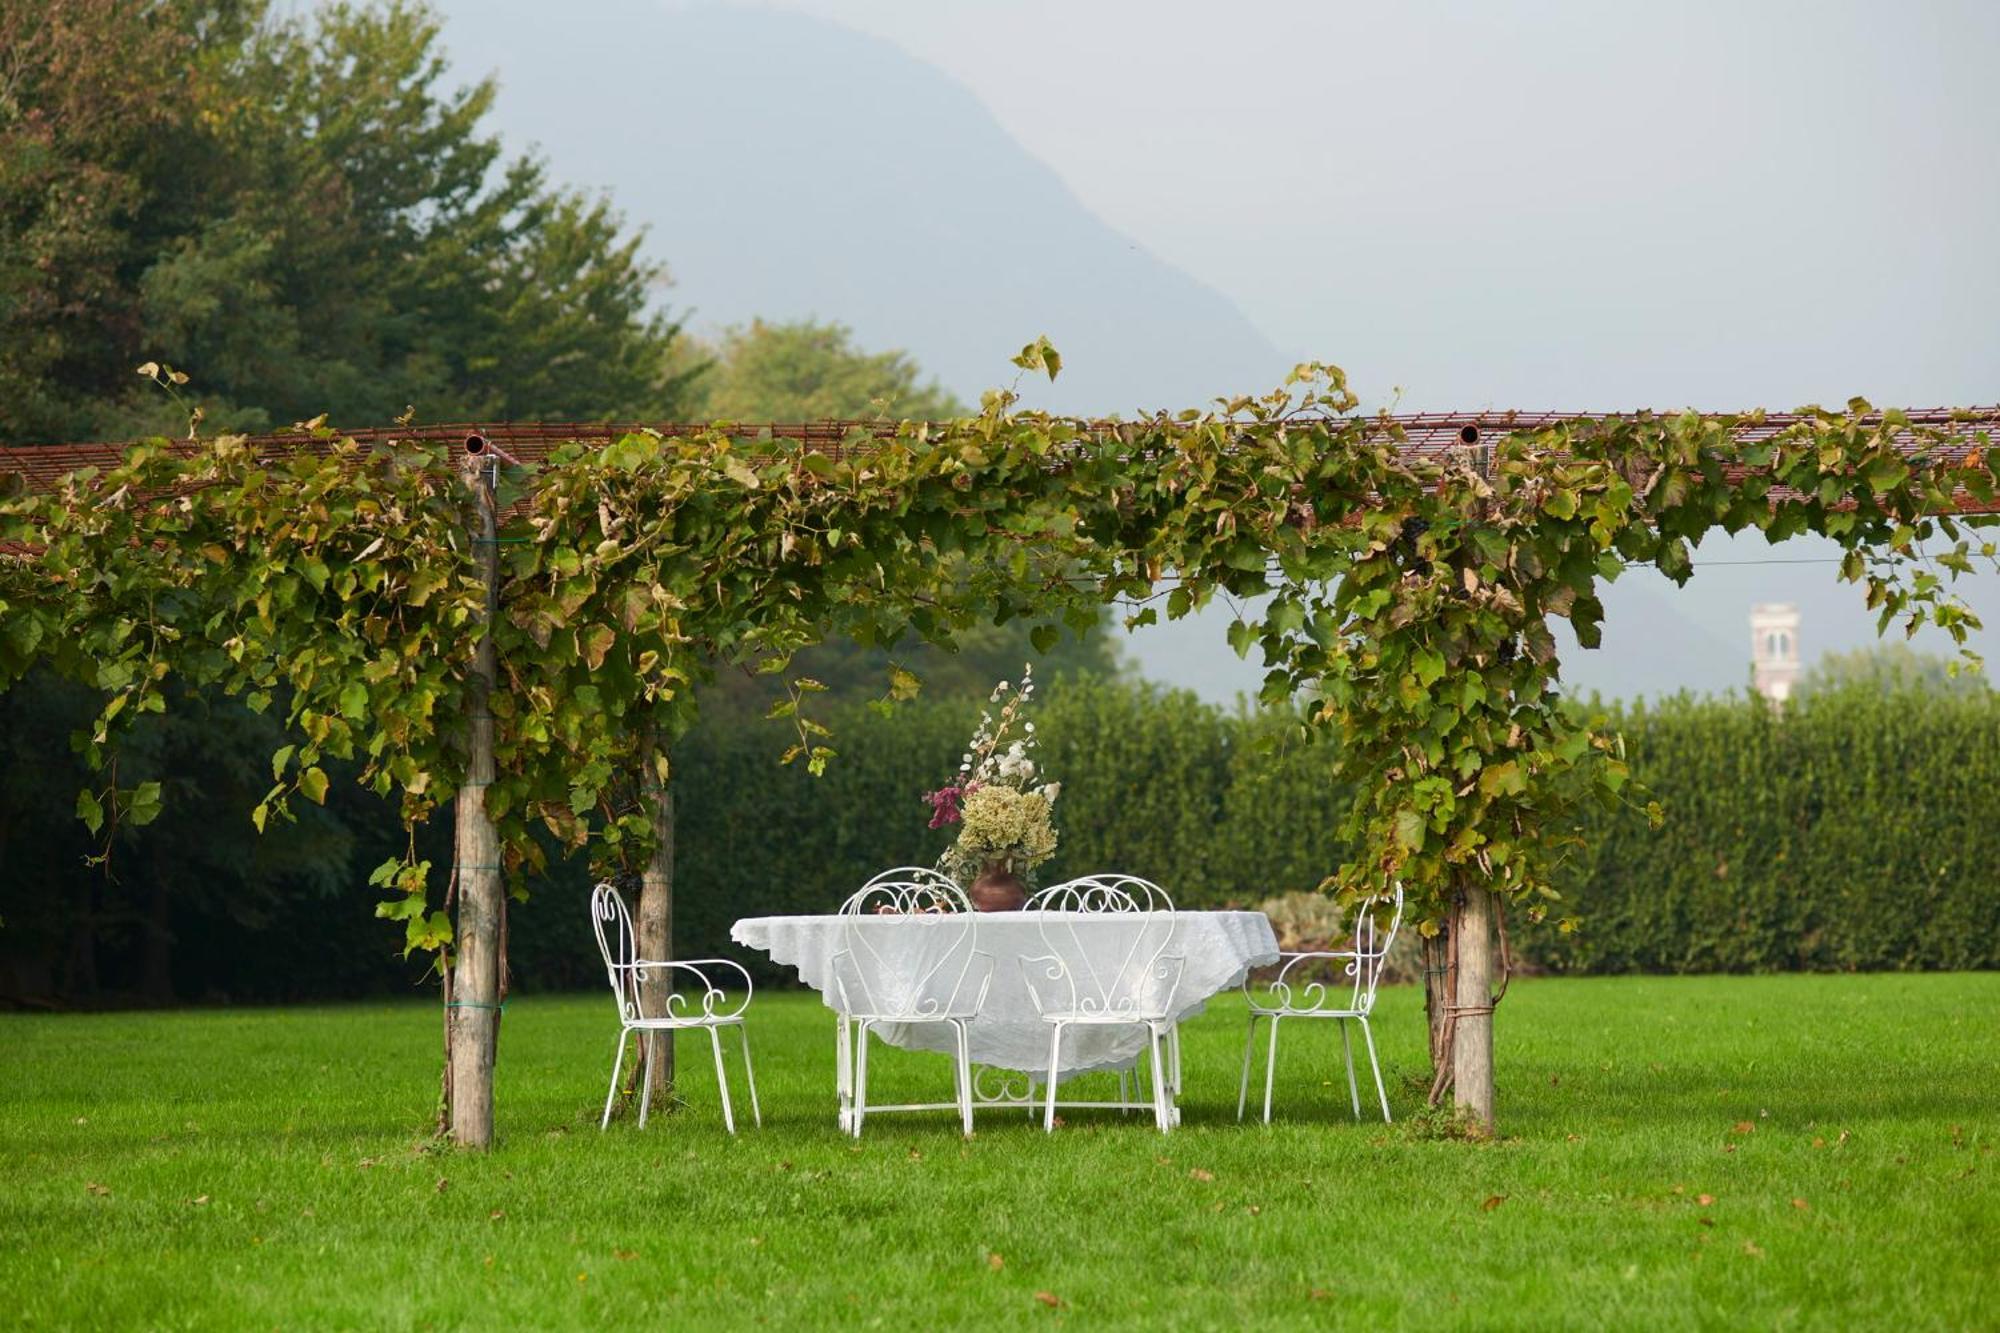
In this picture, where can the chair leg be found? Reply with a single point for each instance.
(722, 1079)
(646, 1056)
(1369, 1037)
(1055, 1061)
(860, 1077)
(1159, 1080)
(843, 1068)
(1249, 1047)
(1124, 1092)
(964, 1077)
(750, 1075)
(617, 1068)
(1174, 1057)
(1347, 1049)
(1270, 1068)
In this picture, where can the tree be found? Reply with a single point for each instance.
(312, 220)
(806, 370)
(305, 215)
(810, 371)
(1888, 668)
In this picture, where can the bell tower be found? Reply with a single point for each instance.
(1774, 648)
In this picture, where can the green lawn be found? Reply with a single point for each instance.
(268, 1168)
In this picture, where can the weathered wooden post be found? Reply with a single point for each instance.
(1472, 1008)
(475, 991)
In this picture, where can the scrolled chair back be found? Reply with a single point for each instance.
(686, 991)
(937, 973)
(1340, 979)
(1130, 970)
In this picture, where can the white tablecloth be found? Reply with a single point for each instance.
(1220, 948)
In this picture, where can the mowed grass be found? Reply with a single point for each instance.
(1723, 1152)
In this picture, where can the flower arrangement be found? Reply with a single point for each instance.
(1005, 818)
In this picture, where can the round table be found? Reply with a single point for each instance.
(1009, 1034)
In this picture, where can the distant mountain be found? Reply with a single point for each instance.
(789, 167)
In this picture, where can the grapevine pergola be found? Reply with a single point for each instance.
(515, 618)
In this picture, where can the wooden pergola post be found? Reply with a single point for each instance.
(474, 1019)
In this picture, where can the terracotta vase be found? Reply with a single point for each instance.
(998, 889)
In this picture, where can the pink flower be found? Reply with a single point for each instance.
(944, 805)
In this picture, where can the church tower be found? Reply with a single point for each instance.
(1774, 648)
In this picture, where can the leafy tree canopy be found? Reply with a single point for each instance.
(806, 370)
(810, 371)
(307, 213)
(1890, 668)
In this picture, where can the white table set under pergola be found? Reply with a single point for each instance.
(1095, 975)
(1012, 1047)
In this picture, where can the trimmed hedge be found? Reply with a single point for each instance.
(1854, 830)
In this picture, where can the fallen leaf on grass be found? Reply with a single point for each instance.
(1801, 1205)
(1253, 1209)
(1050, 1299)
(101, 1191)
(1744, 1127)
(1204, 1176)
(1706, 1221)
(496, 1214)
(1751, 1248)
(1492, 1201)
(916, 1156)
(198, 1200)
(995, 1262)
(1704, 1199)
(623, 1255)
(443, 1185)
(83, 1120)
(1819, 1143)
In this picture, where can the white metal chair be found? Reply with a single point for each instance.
(1297, 992)
(698, 1002)
(943, 982)
(1134, 986)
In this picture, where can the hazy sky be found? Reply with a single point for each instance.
(1575, 204)
(1582, 204)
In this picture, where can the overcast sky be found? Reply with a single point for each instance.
(1581, 204)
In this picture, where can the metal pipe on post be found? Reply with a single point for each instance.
(475, 1013)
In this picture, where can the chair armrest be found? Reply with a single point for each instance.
(1302, 991)
(712, 1002)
